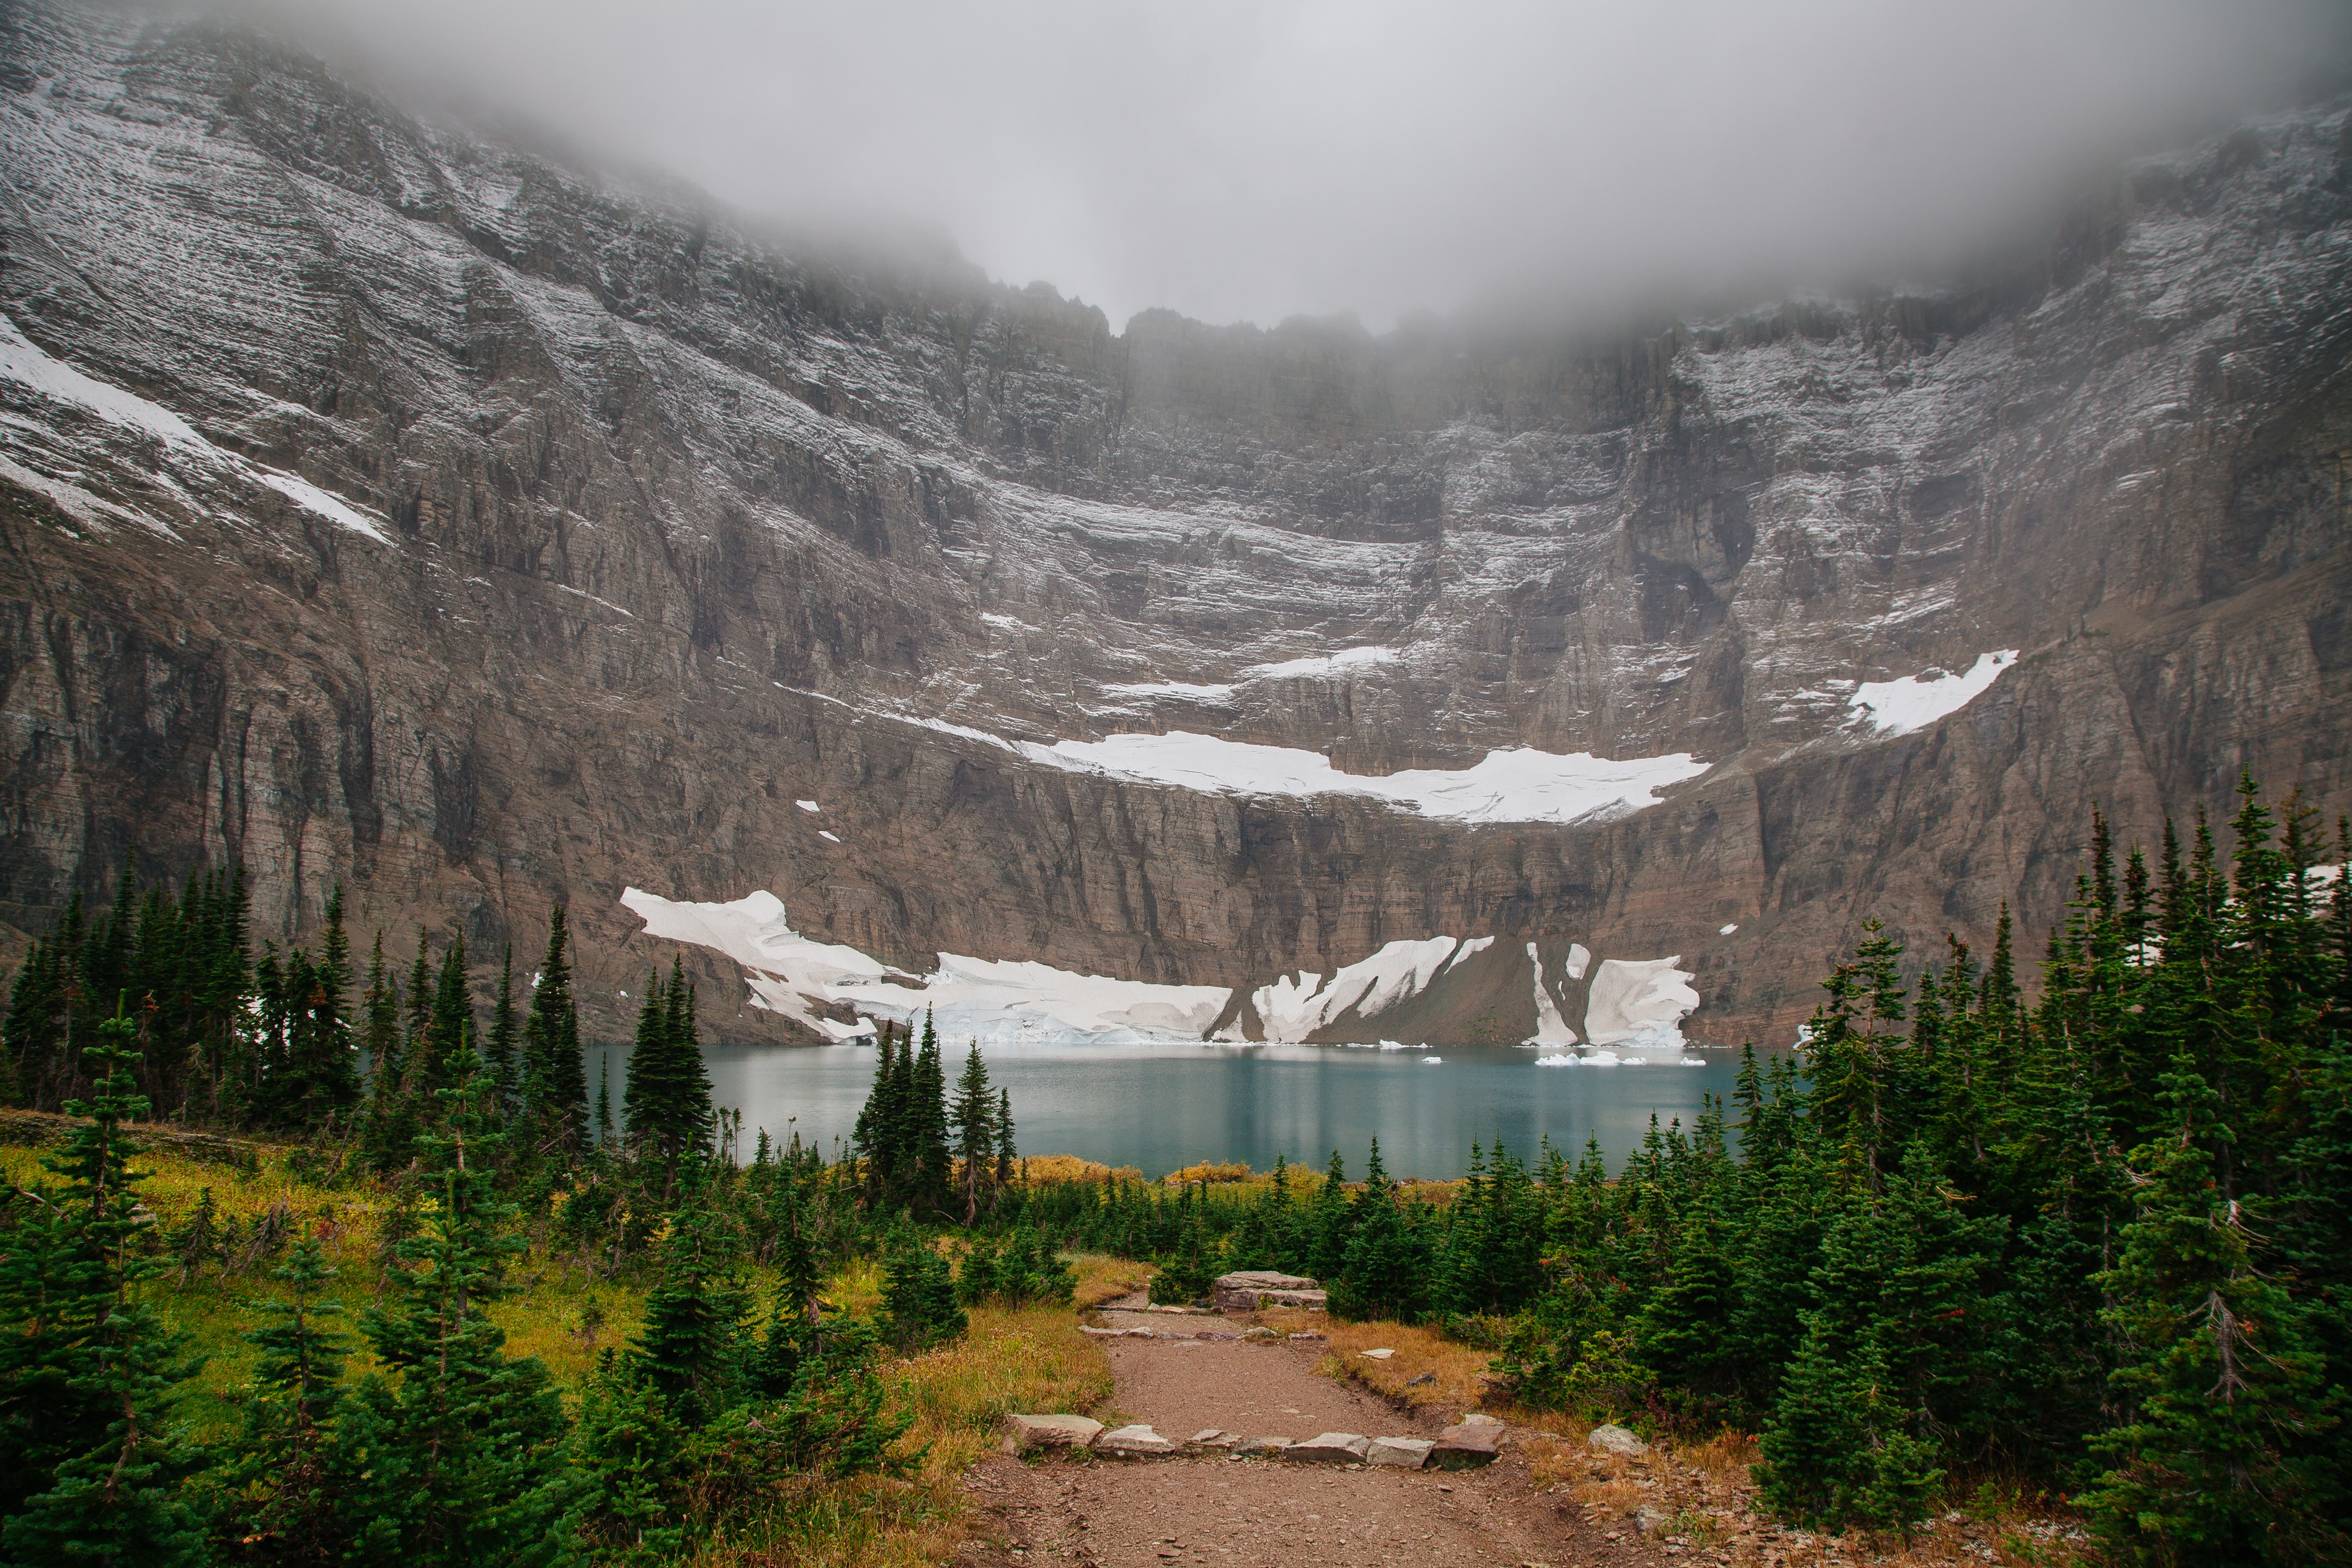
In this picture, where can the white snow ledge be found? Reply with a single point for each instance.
(1900, 706)
(1521, 785)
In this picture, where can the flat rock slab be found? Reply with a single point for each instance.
(1404, 1453)
(1025, 1434)
(1331, 1448)
(1465, 1448)
(1247, 1290)
(1479, 1418)
(1376, 1354)
(1134, 1442)
(1612, 1438)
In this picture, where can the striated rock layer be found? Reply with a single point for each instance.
(388, 504)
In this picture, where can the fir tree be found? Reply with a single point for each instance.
(556, 1090)
(97, 1357)
(499, 1045)
(2226, 1451)
(975, 1116)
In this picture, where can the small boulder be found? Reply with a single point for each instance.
(1026, 1434)
(1404, 1453)
(1331, 1448)
(1465, 1447)
(1134, 1442)
(1612, 1438)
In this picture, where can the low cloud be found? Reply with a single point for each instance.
(1251, 161)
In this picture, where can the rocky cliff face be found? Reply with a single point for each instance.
(385, 504)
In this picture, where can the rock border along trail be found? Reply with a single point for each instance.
(1196, 1375)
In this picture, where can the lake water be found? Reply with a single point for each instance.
(1159, 1107)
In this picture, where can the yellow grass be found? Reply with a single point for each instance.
(1040, 1168)
(1453, 1368)
(1102, 1278)
(1208, 1172)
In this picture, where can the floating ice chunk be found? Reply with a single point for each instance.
(1900, 706)
(1641, 1003)
(1430, 1061)
(1556, 1062)
(1579, 957)
(1728, 930)
(808, 806)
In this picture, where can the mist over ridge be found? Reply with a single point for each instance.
(1245, 164)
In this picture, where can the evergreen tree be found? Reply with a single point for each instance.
(556, 1090)
(88, 1392)
(498, 1048)
(975, 1116)
(2226, 1454)
(274, 1501)
(666, 1101)
(450, 1454)
(1007, 1155)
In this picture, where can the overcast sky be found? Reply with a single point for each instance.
(1256, 159)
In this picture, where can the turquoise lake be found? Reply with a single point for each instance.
(1158, 1107)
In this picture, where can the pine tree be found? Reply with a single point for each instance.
(1007, 1155)
(451, 1454)
(96, 1357)
(918, 1296)
(975, 1116)
(934, 1164)
(691, 1351)
(666, 1101)
(556, 1083)
(2226, 1454)
(499, 1047)
(275, 1486)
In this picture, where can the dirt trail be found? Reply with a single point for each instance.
(1265, 1513)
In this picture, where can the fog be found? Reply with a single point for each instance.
(1253, 161)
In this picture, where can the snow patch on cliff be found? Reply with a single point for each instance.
(1900, 706)
(1550, 1027)
(26, 364)
(972, 998)
(1639, 1003)
(1519, 785)
(1290, 1010)
(1182, 690)
(1323, 664)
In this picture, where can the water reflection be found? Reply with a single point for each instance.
(1159, 1107)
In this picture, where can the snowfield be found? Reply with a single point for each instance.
(998, 1001)
(1519, 785)
(1900, 706)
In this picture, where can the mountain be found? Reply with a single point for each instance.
(389, 504)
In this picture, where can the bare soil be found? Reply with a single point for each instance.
(1267, 1514)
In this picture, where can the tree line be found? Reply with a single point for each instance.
(2100, 1239)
